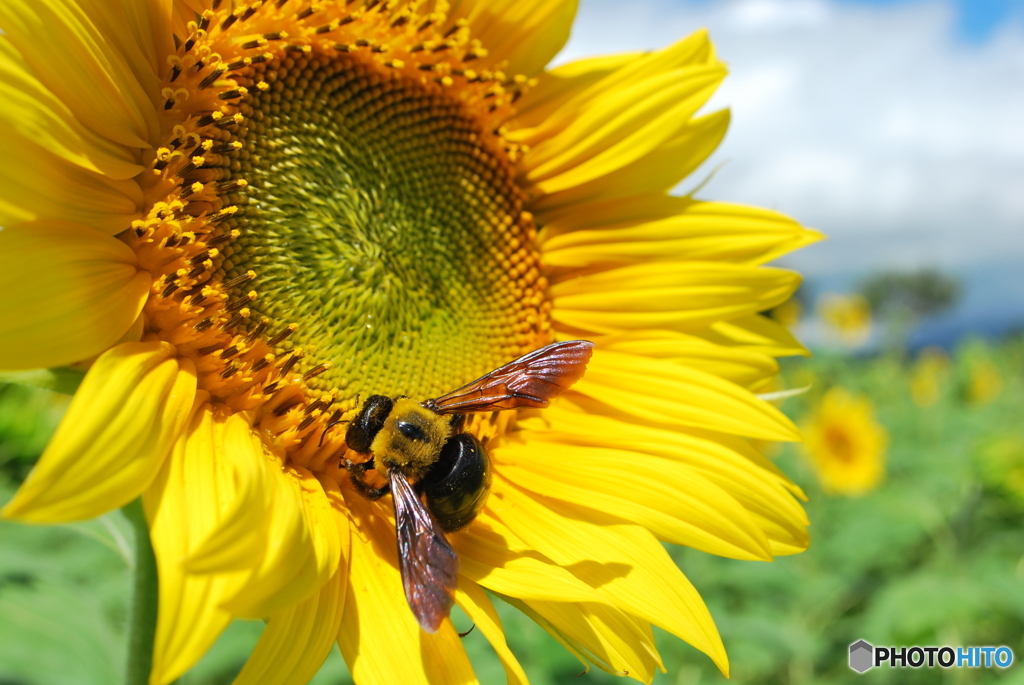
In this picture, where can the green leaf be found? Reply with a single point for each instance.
(62, 379)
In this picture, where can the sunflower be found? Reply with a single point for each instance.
(847, 316)
(242, 218)
(788, 313)
(845, 444)
(928, 375)
(984, 382)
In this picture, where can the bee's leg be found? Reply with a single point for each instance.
(370, 492)
(377, 493)
(457, 422)
(367, 491)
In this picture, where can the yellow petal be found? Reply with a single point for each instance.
(686, 230)
(288, 572)
(122, 422)
(37, 114)
(525, 34)
(493, 556)
(661, 392)
(570, 645)
(138, 32)
(674, 501)
(323, 524)
(379, 637)
(67, 292)
(186, 502)
(658, 171)
(624, 562)
(39, 185)
(730, 463)
(83, 68)
(756, 333)
(554, 88)
(597, 634)
(235, 539)
(620, 128)
(296, 641)
(676, 295)
(743, 367)
(477, 605)
(692, 50)
(302, 552)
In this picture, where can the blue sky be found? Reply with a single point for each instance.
(976, 20)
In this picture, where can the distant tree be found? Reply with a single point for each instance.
(903, 298)
(919, 294)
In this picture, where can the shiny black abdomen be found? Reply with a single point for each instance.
(368, 422)
(457, 484)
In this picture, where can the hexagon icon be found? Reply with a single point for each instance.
(861, 654)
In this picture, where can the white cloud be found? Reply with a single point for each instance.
(872, 123)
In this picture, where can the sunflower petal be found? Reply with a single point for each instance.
(729, 463)
(650, 586)
(379, 637)
(288, 572)
(685, 230)
(67, 292)
(493, 556)
(740, 366)
(690, 51)
(131, 407)
(322, 520)
(620, 128)
(84, 69)
(675, 502)
(187, 501)
(477, 605)
(304, 542)
(134, 30)
(662, 392)
(50, 189)
(596, 634)
(658, 171)
(296, 641)
(677, 295)
(236, 536)
(756, 333)
(37, 114)
(524, 33)
(554, 88)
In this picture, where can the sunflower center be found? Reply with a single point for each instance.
(840, 445)
(385, 223)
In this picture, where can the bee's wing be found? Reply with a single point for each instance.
(428, 563)
(529, 381)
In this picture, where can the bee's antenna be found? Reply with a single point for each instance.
(468, 631)
(335, 421)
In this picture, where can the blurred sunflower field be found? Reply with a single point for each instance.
(927, 550)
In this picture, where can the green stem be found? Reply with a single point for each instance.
(142, 617)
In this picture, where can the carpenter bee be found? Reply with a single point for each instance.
(418, 450)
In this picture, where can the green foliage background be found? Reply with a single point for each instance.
(935, 556)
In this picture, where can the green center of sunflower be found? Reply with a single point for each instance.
(382, 220)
